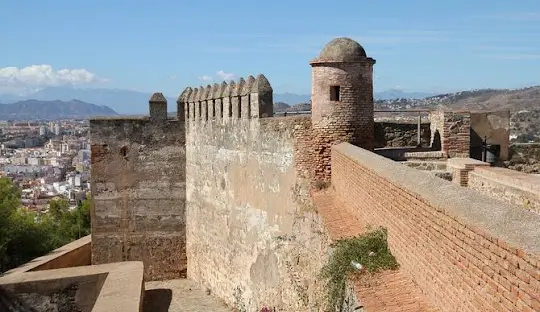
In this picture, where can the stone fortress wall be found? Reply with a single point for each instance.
(223, 191)
(253, 236)
(138, 191)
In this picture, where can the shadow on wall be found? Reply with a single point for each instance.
(476, 145)
(436, 145)
(157, 300)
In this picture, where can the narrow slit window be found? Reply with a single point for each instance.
(239, 109)
(334, 93)
(221, 109)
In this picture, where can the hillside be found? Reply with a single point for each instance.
(483, 99)
(36, 109)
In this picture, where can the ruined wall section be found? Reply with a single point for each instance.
(253, 237)
(451, 132)
(138, 191)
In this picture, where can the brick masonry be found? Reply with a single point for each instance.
(451, 132)
(138, 190)
(461, 167)
(342, 64)
(468, 252)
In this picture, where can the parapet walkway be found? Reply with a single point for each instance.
(180, 295)
(390, 291)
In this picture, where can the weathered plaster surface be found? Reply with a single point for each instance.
(253, 237)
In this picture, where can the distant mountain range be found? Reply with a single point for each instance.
(127, 102)
(121, 101)
(51, 110)
(134, 102)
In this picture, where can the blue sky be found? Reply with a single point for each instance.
(165, 46)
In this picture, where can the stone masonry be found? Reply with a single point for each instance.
(253, 237)
(138, 190)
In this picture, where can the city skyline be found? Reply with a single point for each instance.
(419, 46)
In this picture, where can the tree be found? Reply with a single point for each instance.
(71, 224)
(25, 235)
(58, 207)
(28, 239)
(9, 201)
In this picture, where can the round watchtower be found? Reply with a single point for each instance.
(341, 99)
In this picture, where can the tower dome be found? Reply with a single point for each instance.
(342, 50)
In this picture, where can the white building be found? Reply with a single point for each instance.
(57, 129)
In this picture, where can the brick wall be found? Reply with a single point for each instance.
(468, 252)
(138, 193)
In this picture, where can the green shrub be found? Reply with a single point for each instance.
(370, 250)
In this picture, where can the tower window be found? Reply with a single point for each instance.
(334, 93)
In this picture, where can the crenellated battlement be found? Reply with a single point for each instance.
(243, 99)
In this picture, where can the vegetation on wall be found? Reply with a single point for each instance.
(25, 235)
(370, 250)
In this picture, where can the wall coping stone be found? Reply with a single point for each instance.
(513, 224)
(466, 163)
(122, 290)
(512, 178)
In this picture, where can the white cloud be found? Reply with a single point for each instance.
(220, 75)
(205, 78)
(225, 76)
(35, 77)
